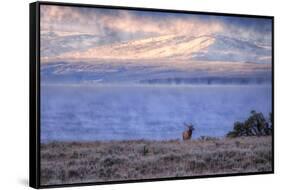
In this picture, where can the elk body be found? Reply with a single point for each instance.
(187, 134)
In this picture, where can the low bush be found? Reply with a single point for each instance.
(255, 125)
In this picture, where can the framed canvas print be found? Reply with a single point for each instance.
(122, 94)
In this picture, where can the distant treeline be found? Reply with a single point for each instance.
(209, 80)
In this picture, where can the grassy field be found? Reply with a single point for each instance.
(65, 163)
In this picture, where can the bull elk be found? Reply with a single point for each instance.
(186, 135)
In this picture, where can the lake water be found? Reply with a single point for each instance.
(110, 112)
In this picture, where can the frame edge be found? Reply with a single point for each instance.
(34, 90)
(34, 166)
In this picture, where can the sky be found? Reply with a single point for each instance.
(79, 32)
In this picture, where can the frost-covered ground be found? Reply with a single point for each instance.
(120, 112)
(81, 162)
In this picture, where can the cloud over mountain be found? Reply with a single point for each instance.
(85, 31)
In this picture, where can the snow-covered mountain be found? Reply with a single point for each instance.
(207, 48)
(165, 58)
(53, 44)
(234, 50)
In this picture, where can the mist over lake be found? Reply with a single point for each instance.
(155, 112)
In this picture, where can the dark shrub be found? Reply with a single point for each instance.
(255, 125)
(145, 150)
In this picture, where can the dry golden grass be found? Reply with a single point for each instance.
(65, 163)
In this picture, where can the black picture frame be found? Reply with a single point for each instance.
(34, 92)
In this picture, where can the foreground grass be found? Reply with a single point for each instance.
(64, 163)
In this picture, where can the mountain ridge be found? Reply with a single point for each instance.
(204, 48)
